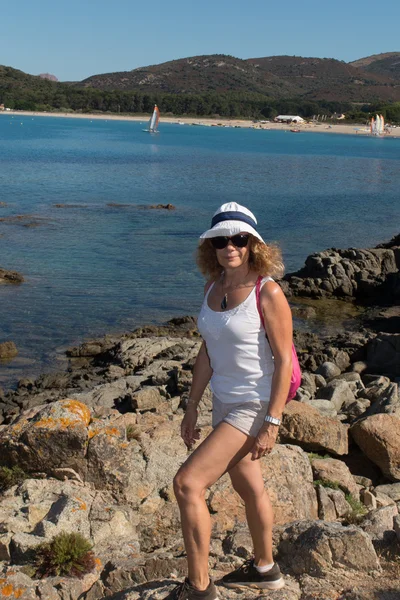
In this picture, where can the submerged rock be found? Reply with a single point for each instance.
(8, 350)
(10, 276)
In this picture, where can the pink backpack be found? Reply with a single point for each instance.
(295, 379)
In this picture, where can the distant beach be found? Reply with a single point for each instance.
(349, 129)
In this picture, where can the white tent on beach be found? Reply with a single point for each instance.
(289, 119)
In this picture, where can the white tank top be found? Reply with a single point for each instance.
(239, 352)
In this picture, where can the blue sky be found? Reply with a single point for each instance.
(76, 39)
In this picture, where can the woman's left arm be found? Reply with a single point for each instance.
(278, 326)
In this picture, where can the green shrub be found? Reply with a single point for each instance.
(334, 485)
(10, 477)
(358, 510)
(68, 554)
(313, 455)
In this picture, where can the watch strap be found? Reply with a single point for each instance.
(272, 420)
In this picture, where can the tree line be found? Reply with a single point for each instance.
(51, 96)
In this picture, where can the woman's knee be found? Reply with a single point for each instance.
(248, 490)
(187, 486)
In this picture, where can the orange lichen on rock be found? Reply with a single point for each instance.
(81, 503)
(8, 591)
(79, 409)
(108, 430)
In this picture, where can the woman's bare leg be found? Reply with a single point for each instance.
(248, 482)
(218, 453)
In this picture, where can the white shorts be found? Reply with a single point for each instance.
(248, 417)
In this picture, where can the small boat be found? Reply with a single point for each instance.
(295, 130)
(154, 119)
(377, 127)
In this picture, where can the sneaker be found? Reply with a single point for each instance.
(185, 591)
(248, 576)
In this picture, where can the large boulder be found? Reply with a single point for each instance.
(378, 437)
(288, 479)
(55, 436)
(366, 275)
(317, 547)
(305, 426)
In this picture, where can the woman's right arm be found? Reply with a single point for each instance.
(201, 376)
(202, 372)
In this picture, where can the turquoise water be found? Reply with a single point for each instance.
(91, 268)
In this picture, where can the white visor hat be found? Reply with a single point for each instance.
(231, 219)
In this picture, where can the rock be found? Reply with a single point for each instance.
(304, 426)
(163, 206)
(116, 465)
(365, 275)
(357, 408)
(15, 584)
(359, 366)
(308, 383)
(325, 407)
(56, 436)
(67, 514)
(368, 499)
(378, 437)
(335, 471)
(328, 370)
(146, 398)
(288, 478)
(317, 547)
(391, 489)
(338, 392)
(379, 524)
(383, 354)
(326, 507)
(10, 277)
(8, 350)
(396, 526)
(332, 504)
(22, 547)
(383, 499)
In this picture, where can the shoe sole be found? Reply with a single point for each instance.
(264, 585)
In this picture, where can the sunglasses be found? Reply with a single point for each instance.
(239, 241)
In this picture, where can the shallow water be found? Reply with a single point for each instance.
(91, 268)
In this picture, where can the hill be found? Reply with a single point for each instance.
(387, 65)
(328, 79)
(195, 75)
(276, 76)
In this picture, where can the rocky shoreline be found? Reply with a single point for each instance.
(98, 446)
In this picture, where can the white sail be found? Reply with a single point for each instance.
(153, 123)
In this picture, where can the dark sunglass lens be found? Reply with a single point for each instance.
(240, 240)
(219, 242)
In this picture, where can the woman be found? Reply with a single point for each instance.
(249, 375)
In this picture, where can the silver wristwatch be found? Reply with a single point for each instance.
(272, 420)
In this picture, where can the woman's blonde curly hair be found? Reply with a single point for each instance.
(264, 259)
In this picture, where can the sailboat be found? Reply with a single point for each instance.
(154, 119)
(378, 125)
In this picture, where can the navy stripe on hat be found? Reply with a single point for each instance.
(233, 215)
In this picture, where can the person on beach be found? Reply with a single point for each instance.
(249, 370)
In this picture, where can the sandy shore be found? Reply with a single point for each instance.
(342, 128)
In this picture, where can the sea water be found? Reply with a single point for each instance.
(102, 261)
